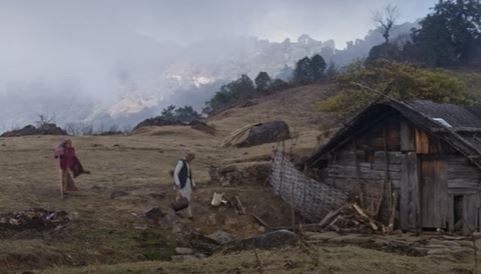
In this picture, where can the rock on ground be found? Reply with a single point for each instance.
(184, 250)
(118, 193)
(221, 236)
(154, 214)
(275, 239)
(203, 244)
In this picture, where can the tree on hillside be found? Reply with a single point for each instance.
(219, 101)
(331, 70)
(168, 113)
(44, 119)
(186, 114)
(385, 21)
(263, 82)
(279, 84)
(230, 94)
(317, 66)
(450, 35)
(242, 88)
(303, 72)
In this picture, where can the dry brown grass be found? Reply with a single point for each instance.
(110, 231)
(339, 260)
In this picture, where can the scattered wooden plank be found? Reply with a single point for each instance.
(392, 216)
(241, 209)
(329, 216)
(260, 221)
(363, 214)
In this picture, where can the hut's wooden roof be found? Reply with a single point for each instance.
(459, 126)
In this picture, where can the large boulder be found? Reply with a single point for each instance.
(258, 134)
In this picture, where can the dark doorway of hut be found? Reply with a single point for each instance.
(458, 212)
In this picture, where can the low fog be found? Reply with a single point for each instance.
(79, 60)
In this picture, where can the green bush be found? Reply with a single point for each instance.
(406, 82)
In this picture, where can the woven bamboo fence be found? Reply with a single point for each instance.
(312, 199)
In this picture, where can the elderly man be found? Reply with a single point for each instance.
(183, 179)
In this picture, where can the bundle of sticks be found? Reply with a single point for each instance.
(351, 218)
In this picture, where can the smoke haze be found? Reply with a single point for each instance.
(75, 59)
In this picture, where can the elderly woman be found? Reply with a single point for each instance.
(65, 153)
(183, 179)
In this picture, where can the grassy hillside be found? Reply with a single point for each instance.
(105, 230)
(113, 236)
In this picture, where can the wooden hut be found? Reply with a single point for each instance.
(418, 161)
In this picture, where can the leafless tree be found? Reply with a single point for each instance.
(73, 129)
(44, 119)
(385, 20)
(87, 130)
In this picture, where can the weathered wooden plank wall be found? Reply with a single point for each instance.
(426, 171)
(409, 195)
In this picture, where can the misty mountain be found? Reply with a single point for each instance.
(161, 74)
(360, 48)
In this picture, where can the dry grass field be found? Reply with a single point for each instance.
(339, 260)
(112, 235)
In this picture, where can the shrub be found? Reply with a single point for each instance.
(405, 81)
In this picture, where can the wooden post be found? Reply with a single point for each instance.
(475, 250)
(358, 175)
(393, 211)
(387, 188)
(415, 183)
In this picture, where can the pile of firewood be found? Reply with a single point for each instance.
(351, 218)
(34, 218)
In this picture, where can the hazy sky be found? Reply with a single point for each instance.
(187, 20)
(56, 47)
(74, 40)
